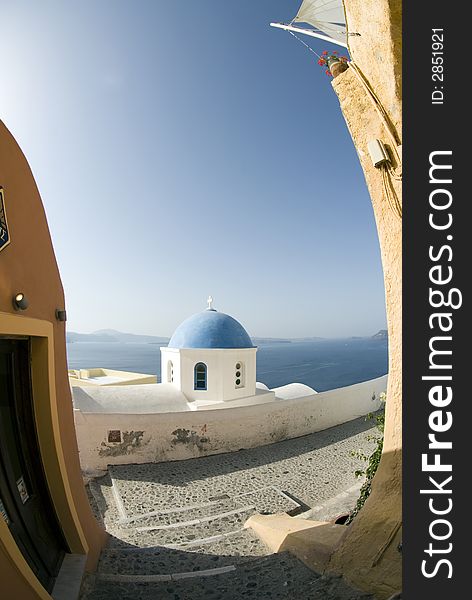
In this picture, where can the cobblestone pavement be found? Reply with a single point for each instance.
(177, 529)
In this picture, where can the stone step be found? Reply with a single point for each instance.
(107, 499)
(101, 491)
(155, 488)
(278, 576)
(231, 543)
(174, 516)
(264, 501)
(170, 523)
(244, 546)
(160, 561)
(185, 532)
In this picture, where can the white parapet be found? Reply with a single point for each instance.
(155, 423)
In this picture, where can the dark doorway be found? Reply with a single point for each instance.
(25, 503)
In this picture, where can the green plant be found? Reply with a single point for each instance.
(373, 460)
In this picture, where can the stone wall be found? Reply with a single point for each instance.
(369, 556)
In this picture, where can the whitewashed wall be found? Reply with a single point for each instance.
(180, 435)
(220, 368)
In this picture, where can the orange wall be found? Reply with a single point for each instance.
(28, 265)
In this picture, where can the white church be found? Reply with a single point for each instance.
(211, 358)
(208, 401)
(209, 362)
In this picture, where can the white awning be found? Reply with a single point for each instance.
(325, 15)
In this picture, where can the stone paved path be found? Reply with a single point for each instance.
(177, 529)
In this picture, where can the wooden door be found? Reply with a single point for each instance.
(25, 503)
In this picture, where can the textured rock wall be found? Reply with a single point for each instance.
(368, 555)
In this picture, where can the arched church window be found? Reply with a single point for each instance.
(170, 372)
(200, 376)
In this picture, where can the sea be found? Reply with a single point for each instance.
(323, 364)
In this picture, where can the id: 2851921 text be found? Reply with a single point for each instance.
(437, 66)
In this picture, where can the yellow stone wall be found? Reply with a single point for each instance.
(28, 265)
(368, 555)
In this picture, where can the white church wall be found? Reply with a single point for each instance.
(141, 438)
(247, 359)
(220, 365)
(189, 358)
(170, 355)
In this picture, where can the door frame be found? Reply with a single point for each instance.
(43, 380)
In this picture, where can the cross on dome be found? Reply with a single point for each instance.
(209, 302)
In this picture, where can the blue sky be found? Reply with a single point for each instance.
(184, 149)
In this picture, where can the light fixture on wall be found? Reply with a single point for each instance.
(61, 314)
(20, 301)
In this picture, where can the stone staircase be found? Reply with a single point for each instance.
(177, 531)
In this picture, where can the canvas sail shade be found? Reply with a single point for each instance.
(326, 16)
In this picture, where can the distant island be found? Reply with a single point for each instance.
(114, 336)
(258, 340)
(111, 335)
(381, 335)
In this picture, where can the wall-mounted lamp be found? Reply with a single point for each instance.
(61, 315)
(20, 301)
(378, 153)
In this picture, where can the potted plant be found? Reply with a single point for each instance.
(336, 64)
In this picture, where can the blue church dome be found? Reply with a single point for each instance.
(210, 329)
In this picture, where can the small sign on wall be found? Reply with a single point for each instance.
(114, 436)
(21, 485)
(4, 233)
